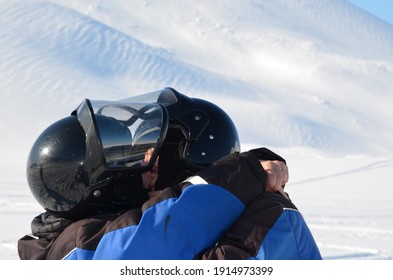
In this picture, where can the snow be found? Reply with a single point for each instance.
(310, 79)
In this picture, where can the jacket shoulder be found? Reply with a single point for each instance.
(80, 239)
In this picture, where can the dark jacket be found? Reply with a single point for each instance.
(222, 212)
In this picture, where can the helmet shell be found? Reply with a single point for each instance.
(199, 133)
(55, 168)
(217, 139)
(209, 131)
(69, 179)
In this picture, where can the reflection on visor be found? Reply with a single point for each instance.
(181, 110)
(124, 131)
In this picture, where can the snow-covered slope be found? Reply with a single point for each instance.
(312, 73)
(308, 78)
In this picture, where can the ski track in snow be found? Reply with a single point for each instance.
(374, 165)
(349, 212)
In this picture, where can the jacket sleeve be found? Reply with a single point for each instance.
(241, 173)
(175, 228)
(246, 235)
(180, 222)
(270, 228)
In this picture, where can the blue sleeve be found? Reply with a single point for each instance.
(176, 228)
(289, 239)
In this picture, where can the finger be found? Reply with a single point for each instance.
(282, 178)
(285, 174)
(269, 168)
(148, 155)
(282, 171)
(271, 180)
(279, 179)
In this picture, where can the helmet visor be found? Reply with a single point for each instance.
(122, 132)
(165, 97)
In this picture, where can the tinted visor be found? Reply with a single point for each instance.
(119, 133)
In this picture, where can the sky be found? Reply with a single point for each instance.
(294, 77)
(380, 8)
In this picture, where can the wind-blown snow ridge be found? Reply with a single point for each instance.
(70, 38)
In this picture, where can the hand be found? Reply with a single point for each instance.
(277, 176)
(150, 177)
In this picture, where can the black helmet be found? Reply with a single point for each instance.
(199, 133)
(91, 161)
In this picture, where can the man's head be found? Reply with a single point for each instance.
(92, 161)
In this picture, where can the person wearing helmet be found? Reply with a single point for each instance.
(94, 173)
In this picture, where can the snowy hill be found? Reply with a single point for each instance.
(312, 79)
